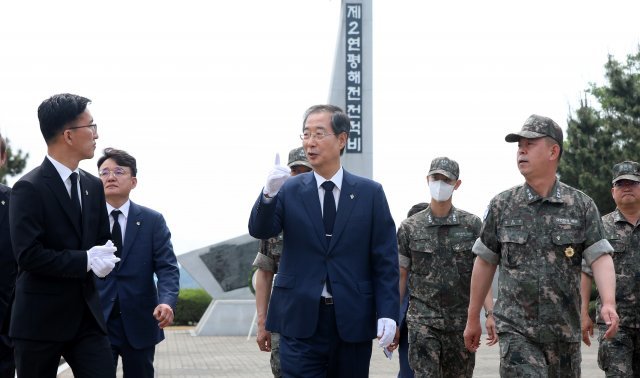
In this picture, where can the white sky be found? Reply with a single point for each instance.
(203, 93)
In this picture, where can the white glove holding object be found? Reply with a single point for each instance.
(386, 331)
(102, 266)
(276, 178)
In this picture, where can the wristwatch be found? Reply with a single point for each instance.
(488, 313)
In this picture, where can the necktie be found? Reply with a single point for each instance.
(75, 201)
(116, 232)
(328, 208)
(328, 217)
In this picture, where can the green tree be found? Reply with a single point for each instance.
(16, 161)
(600, 136)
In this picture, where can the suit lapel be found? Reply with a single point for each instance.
(311, 203)
(55, 184)
(134, 220)
(348, 198)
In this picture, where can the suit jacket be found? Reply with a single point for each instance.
(146, 250)
(361, 260)
(53, 288)
(8, 265)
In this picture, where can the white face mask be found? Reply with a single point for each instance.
(440, 190)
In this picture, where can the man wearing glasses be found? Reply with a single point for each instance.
(337, 283)
(60, 236)
(620, 356)
(135, 307)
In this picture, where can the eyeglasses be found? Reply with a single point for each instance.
(93, 127)
(318, 135)
(622, 183)
(117, 172)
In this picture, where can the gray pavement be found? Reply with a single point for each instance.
(183, 355)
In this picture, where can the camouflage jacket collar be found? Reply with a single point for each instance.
(452, 219)
(530, 196)
(619, 217)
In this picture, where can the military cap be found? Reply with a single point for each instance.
(537, 127)
(627, 170)
(298, 157)
(445, 166)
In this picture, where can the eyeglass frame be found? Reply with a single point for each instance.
(117, 172)
(318, 135)
(93, 126)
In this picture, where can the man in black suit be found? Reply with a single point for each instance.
(8, 271)
(58, 222)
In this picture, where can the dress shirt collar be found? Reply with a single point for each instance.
(62, 169)
(124, 209)
(336, 179)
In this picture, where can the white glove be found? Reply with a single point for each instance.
(386, 331)
(276, 178)
(106, 250)
(102, 251)
(102, 266)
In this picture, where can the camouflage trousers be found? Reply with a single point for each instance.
(620, 356)
(434, 353)
(275, 355)
(522, 357)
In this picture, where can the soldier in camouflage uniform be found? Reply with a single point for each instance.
(538, 233)
(435, 246)
(267, 261)
(620, 356)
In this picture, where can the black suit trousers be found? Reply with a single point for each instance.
(88, 354)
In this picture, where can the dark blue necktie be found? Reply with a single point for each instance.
(328, 208)
(116, 232)
(75, 200)
(328, 216)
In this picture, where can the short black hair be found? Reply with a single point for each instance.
(57, 111)
(340, 122)
(3, 147)
(122, 158)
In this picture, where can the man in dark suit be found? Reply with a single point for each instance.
(338, 275)
(8, 272)
(58, 224)
(135, 311)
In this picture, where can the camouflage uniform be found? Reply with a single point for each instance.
(267, 259)
(620, 356)
(539, 243)
(437, 252)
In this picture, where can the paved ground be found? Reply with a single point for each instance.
(182, 355)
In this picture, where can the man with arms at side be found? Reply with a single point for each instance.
(59, 228)
(8, 272)
(135, 307)
(435, 246)
(266, 262)
(337, 283)
(538, 233)
(620, 355)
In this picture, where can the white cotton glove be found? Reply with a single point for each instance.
(106, 251)
(276, 178)
(102, 266)
(386, 331)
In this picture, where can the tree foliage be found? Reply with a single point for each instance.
(601, 135)
(16, 162)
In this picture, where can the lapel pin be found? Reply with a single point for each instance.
(86, 192)
(352, 196)
(2, 203)
(138, 223)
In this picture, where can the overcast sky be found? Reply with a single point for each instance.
(203, 93)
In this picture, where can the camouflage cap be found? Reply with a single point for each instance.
(297, 156)
(445, 166)
(537, 127)
(627, 170)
